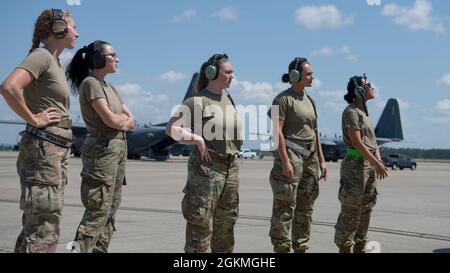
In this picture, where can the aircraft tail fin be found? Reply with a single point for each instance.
(192, 87)
(389, 125)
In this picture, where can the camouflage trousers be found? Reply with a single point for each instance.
(293, 202)
(358, 195)
(42, 168)
(101, 191)
(211, 203)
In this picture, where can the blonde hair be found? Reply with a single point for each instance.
(43, 27)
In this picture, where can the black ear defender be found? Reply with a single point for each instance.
(57, 24)
(98, 58)
(212, 69)
(295, 75)
(360, 90)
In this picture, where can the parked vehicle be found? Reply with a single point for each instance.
(330, 150)
(247, 153)
(399, 161)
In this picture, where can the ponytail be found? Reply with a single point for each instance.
(77, 70)
(349, 97)
(285, 78)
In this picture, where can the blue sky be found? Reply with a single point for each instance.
(403, 47)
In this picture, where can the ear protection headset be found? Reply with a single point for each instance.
(98, 59)
(212, 69)
(58, 25)
(360, 90)
(294, 74)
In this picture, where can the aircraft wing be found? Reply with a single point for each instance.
(17, 122)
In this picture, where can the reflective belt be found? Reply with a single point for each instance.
(354, 153)
(50, 137)
(299, 149)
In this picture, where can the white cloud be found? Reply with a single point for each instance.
(171, 77)
(333, 100)
(345, 50)
(444, 79)
(442, 110)
(73, 2)
(403, 105)
(328, 51)
(325, 51)
(316, 83)
(185, 16)
(373, 2)
(145, 105)
(227, 14)
(443, 106)
(415, 18)
(135, 91)
(260, 92)
(315, 17)
(352, 58)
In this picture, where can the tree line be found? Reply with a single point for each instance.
(417, 153)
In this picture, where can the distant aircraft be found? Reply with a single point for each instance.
(149, 141)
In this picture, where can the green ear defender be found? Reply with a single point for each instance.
(212, 70)
(294, 74)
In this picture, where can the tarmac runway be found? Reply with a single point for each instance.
(412, 213)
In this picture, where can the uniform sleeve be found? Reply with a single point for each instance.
(37, 62)
(92, 90)
(282, 104)
(351, 120)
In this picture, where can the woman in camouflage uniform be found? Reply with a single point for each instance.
(359, 169)
(45, 148)
(295, 174)
(104, 152)
(210, 204)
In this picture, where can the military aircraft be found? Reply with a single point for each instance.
(150, 141)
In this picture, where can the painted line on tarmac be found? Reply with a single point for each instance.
(264, 218)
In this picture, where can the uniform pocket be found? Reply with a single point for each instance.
(92, 195)
(40, 162)
(282, 187)
(41, 198)
(100, 162)
(195, 208)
